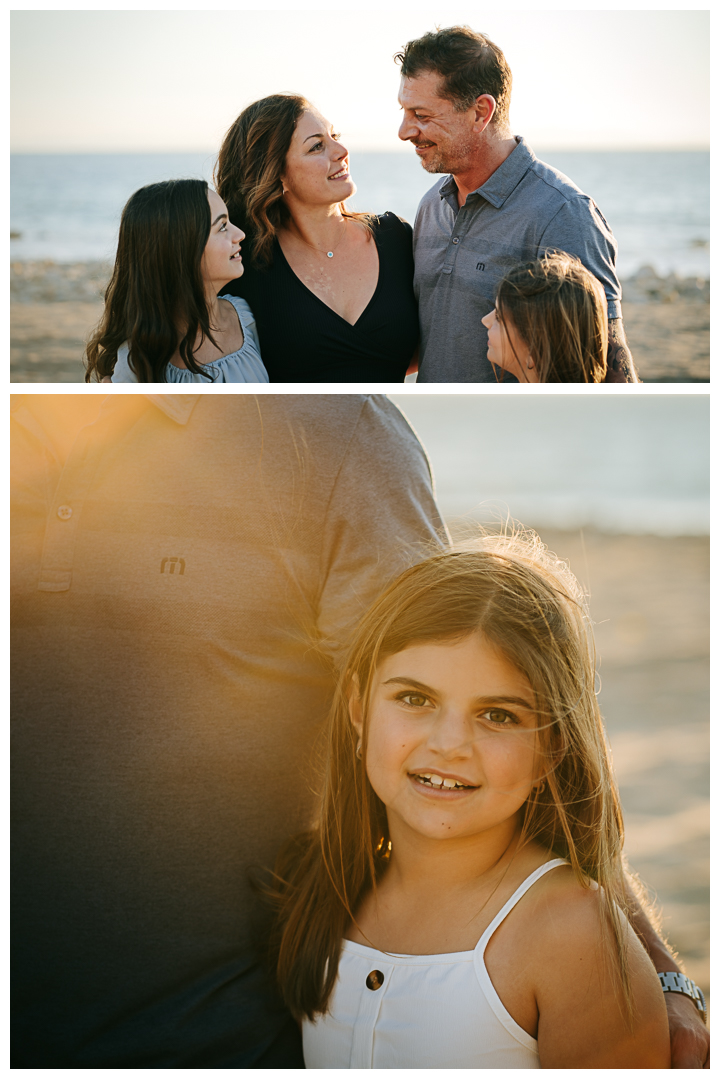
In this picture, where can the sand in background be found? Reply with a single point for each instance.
(54, 308)
(47, 341)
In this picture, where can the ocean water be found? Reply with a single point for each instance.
(635, 465)
(66, 207)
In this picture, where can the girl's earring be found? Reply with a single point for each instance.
(539, 787)
(530, 363)
(358, 750)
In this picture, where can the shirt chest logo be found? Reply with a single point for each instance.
(172, 564)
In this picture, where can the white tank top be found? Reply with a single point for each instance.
(420, 1012)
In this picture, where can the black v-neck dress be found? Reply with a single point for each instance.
(302, 340)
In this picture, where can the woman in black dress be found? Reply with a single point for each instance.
(331, 290)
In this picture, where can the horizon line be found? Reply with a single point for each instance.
(650, 148)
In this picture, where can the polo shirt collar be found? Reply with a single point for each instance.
(503, 181)
(178, 407)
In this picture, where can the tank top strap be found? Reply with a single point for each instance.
(517, 895)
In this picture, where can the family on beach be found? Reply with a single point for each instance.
(211, 570)
(509, 273)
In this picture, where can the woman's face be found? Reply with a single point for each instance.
(506, 349)
(221, 260)
(451, 746)
(317, 172)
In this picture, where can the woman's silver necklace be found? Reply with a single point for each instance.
(330, 254)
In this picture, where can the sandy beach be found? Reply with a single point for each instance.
(55, 306)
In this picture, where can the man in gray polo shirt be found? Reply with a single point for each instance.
(498, 207)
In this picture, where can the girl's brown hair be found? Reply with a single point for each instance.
(155, 300)
(249, 169)
(559, 310)
(528, 605)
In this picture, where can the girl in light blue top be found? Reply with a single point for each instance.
(164, 320)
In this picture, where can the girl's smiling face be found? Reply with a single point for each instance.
(451, 746)
(221, 261)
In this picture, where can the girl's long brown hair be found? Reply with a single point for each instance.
(155, 300)
(559, 310)
(528, 605)
(249, 169)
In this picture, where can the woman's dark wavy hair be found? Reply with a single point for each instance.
(249, 170)
(155, 301)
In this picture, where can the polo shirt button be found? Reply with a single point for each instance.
(375, 980)
(64, 512)
(455, 240)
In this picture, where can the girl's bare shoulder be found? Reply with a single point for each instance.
(562, 906)
(571, 965)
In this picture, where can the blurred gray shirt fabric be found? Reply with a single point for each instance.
(181, 590)
(525, 209)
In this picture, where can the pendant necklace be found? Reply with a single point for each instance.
(330, 254)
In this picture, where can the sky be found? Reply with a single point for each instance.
(143, 81)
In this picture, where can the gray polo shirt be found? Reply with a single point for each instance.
(523, 210)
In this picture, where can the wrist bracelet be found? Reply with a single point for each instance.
(674, 982)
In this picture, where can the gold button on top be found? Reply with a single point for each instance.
(64, 512)
(375, 980)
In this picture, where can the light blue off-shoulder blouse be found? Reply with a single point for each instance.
(242, 366)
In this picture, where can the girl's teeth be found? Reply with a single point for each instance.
(433, 780)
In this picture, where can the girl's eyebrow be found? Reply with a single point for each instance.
(317, 136)
(507, 701)
(218, 218)
(401, 679)
(494, 699)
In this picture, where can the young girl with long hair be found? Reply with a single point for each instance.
(163, 318)
(461, 902)
(550, 322)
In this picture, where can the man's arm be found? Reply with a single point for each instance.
(689, 1037)
(620, 367)
(382, 518)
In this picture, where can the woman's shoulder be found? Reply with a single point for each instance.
(390, 223)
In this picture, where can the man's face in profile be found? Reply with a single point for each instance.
(443, 138)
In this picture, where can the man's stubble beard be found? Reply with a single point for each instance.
(437, 165)
(450, 160)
